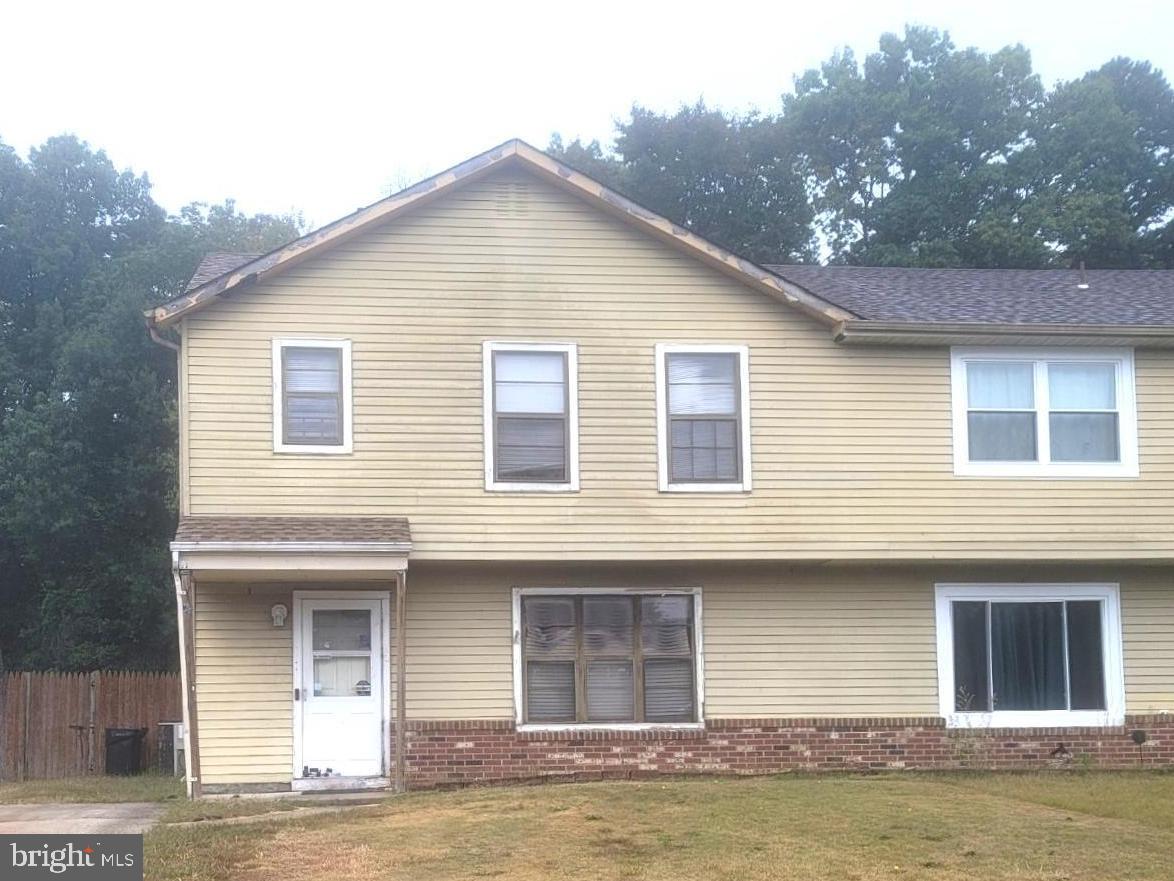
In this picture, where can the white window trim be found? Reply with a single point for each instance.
(571, 350)
(698, 659)
(1126, 414)
(347, 445)
(662, 420)
(1108, 594)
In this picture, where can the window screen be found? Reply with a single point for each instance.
(703, 417)
(608, 658)
(1028, 656)
(311, 395)
(530, 417)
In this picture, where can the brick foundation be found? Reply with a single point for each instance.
(453, 753)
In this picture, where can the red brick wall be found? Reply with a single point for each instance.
(441, 753)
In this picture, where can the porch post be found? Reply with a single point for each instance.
(401, 657)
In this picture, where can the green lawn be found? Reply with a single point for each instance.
(1040, 827)
(144, 787)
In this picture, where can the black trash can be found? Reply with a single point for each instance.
(124, 750)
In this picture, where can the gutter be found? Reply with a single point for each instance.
(945, 333)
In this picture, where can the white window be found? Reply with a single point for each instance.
(312, 409)
(1051, 413)
(531, 417)
(703, 418)
(611, 658)
(1029, 655)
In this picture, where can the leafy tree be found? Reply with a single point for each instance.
(910, 156)
(731, 179)
(87, 404)
(1101, 166)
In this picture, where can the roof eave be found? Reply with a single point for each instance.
(909, 333)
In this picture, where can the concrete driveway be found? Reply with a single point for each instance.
(78, 818)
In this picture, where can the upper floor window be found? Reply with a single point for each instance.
(703, 417)
(531, 417)
(1054, 413)
(311, 396)
(1013, 655)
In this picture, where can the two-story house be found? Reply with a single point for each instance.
(505, 476)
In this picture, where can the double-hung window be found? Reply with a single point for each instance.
(600, 658)
(531, 417)
(703, 418)
(1029, 654)
(312, 396)
(1056, 413)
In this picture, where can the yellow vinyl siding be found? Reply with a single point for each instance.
(851, 446)
(244, 685)
(1147, 612)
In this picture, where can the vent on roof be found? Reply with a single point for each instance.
(1082, 285)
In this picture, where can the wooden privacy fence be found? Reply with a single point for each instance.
(54, 724)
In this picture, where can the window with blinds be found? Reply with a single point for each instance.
(312, 395)
(531, 417)
(703, 404)
(608, 658)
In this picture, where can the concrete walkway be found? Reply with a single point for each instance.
(78, 818)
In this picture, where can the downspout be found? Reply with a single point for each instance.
(401, 676)
(190, 760)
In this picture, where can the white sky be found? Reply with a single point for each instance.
(328, 106)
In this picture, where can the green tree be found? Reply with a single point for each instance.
(87, 412)
(1101, 167)
(910, 156)
(730, 179)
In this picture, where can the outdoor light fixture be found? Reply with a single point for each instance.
(279, 611)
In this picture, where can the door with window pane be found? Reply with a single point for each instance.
(608, 658)
(341, 687)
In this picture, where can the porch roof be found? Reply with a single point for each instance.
(293, 531)
(292, 547)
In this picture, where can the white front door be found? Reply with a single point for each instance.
(339, 643)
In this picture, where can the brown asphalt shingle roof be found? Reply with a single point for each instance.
(293, 529)
(215, 265)
(992, 296)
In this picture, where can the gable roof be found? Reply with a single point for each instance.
(510, 154)
(1123, 297)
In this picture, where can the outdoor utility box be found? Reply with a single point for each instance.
(124, 750)
(171, 757)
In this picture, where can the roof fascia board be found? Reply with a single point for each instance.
(900, 333)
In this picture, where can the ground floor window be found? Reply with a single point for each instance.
(607, 658)
(1028, 654)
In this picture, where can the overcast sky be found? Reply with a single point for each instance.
(328, 106)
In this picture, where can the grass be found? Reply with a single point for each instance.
(144, 787)
(1042, 827)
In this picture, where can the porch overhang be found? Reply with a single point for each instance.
(292, 548)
